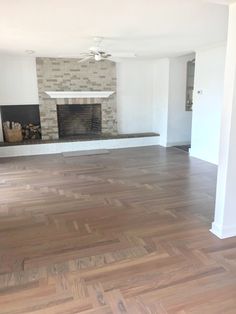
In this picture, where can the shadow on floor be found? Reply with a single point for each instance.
(184, 147)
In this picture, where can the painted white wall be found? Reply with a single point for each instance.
(208, 101)
(161, 98)
(179, 120)
(225, 214)
(135, 96)
(18, 80)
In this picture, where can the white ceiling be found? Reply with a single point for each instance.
(224, 2)
(152, 28)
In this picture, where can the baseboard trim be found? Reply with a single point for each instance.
(223, 232)
(171, 144)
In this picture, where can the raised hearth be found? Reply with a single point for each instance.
(84, 142)
(84, 138)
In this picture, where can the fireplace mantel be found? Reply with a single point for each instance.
(79, 94)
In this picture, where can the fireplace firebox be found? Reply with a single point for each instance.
(74, 120)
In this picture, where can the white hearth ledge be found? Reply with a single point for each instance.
(61, 147)
(88, 94)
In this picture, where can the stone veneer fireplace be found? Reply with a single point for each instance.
(59, 74)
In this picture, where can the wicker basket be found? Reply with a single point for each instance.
(13, 135)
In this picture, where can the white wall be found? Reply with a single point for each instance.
(170, 119)
(135, 96)
(179, 120)
(161, 98)
(18, 80)
(209, 80)
(225, 214)
(151, 97)
(169, 116)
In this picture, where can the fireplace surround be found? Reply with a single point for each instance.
(61, 74)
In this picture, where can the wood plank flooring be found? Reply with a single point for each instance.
(126, 232)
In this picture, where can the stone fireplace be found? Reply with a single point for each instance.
(59, 74)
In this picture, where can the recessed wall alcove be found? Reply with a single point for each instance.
(27, 116)
(23, 114)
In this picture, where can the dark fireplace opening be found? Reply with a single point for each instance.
(21, 122)
(74, 120)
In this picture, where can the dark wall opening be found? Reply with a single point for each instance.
(79, 119)
(27, 116)
(24, 114)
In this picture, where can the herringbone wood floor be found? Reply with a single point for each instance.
(120, 233)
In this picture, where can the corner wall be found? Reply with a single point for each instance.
(207, 103)
(161, 98)
(170, 117)
(179, 120)
(224, 225)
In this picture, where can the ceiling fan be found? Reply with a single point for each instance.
(97, 53)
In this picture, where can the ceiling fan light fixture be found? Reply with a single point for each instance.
(98, 53)
(98, 57)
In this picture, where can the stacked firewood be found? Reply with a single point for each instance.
(12, 131)
(12, 125)
(31, 131)
(15, 132)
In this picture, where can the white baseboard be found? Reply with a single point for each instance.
(61, 147)
(223, 232)
(171, 144)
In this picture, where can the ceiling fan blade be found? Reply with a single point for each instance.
(106, 55)
(113, 59)
(123, 54)
(85, 59)
(83, 54)
(100, 53)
